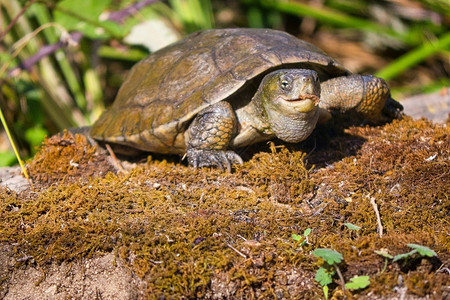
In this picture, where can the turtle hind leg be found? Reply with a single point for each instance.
(366, 96)
(209, 135)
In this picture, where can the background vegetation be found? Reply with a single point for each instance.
(406, 42)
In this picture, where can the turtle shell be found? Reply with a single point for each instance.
(164, 92)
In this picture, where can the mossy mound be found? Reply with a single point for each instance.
(67, 158)
(208, 234)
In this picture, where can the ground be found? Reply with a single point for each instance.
(160, 229)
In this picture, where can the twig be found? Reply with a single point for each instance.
(377, 213)
(237, 251)
(42, 278)
(341, 278)
(443, 270)
(14, 21)
(117, 163)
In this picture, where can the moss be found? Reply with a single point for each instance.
(67, 158)
(185, 231)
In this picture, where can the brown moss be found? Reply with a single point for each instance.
(194, 233)
(67, 158)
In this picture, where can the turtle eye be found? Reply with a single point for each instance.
(285, 83)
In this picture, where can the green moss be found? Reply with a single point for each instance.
(182, 230)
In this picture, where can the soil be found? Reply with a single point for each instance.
(160, 229)
(102, 277)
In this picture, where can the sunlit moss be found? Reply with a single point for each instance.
(184, 231)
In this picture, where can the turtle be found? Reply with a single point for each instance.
(222, 89)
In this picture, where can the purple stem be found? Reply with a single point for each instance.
(46, 50)
(118, 16)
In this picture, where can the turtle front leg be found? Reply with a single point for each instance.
(367, 96)
(209, 135)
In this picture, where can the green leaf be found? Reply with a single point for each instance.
(352, 227)
(328, 255)
(296, 237)
(404, 255)
(422, 250)
(307, 232)
(324, 276)
(358, 282)
(84, 16)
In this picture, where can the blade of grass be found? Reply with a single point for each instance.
(43, 17)
(415, 56)
(8, 133)
(58, 102)
(118, 54)
(336, 18)
(12, 8)
(14, 20)
(94, 94)
(193, 14)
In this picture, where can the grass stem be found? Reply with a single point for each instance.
(8, 133)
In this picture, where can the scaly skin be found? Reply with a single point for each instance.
(367, 97)
(209, 135)
(285, 106)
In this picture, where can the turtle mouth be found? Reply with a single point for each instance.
(314, 98)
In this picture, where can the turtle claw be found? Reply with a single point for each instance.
(204, 158)
(393, 109)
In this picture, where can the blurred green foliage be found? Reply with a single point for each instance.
(85, 16)
(71, 86)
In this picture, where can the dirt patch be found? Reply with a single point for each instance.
(103, 277)
(184, 233)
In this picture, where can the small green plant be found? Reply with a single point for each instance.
(421, 250)
(383, 252)
(352, 226)
(331, 257)
(358, 282)
(417, 249)
(298, 237)
(325, 274)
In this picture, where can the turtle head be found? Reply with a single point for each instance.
(290, 99)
